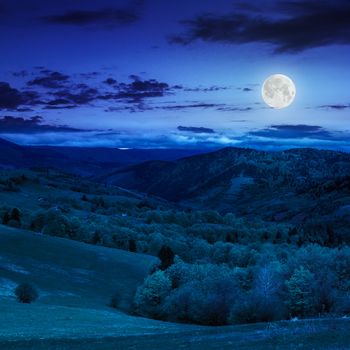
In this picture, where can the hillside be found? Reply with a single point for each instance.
(68, 272)
(288, 186)
(75, 280)
(223, 259)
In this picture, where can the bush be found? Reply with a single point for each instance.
(150, 296)
(203, 302)
(26, 293)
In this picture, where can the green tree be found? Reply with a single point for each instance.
(300, 288)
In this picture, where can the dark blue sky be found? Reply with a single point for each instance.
(188, 73)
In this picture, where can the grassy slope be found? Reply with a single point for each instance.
(38, 327)
(76, 281)
(68, 272)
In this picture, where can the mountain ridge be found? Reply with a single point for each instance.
(80, 160)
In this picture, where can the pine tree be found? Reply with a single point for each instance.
(6, 218)
(132, 245)
(96, 238)
(16, 215)
(166, 256)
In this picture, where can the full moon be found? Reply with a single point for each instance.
(278, 91)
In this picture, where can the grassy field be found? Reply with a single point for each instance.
(37, 326)
(66, 272)
(75, 282)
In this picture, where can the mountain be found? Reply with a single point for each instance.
(81, 160)
(286, 185)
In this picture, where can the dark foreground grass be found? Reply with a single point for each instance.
(234, 338)
(37, 327)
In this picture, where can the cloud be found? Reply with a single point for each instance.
(122, 139)
(11, 98)
(235, 109)
(138, 90)
(57, 90)
(197, 130)
(285, 131)
(110, 81)
(80, 94)
(105, 18)
(295, 26)
(9, 124)
(335, 106)
(142, 107)
(49, 135)
(51, 80)
(190, 106)
(207, 89)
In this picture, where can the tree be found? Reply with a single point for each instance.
(333, 239)
(6, 218)
(166, 256)
(292, 232)
(150, 296)
(132, 245)
(26, 293)
(300, 241)
(16, 215)
(96, 238)
(301, 292)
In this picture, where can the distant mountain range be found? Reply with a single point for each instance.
(81, 160)
(284, 186)
(294, 186)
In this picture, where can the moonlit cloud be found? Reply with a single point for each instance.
(307, 25)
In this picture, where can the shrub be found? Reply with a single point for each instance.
(26, 293)
(150, 296)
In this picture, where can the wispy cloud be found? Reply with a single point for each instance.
(9, 124)
(285, 131)
(196, 130)
(293, 26)
(51, 80)
(337, 107)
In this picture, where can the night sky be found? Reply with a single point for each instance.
(179, 74)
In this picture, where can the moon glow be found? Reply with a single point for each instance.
(278, 91)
